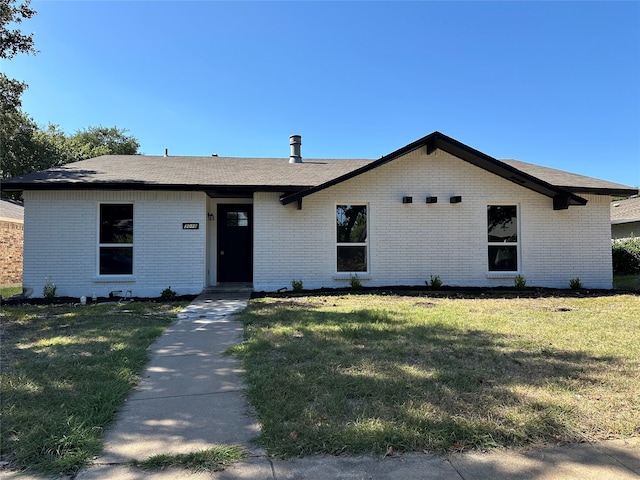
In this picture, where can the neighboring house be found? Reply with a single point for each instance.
(625, 218)
(11, 242)
(433, 207)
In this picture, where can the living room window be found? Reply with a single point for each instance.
(502, 238)
(351, 241)
(115, 239)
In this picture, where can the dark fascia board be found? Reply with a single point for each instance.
(603, 191)
(437, 140)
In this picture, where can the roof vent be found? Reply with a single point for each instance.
(166, 152)
(295, 141)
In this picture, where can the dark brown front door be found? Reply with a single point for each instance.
(235, 243)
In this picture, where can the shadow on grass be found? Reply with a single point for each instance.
(64, 375)
(360, 382)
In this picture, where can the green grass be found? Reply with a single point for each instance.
(209, 460)
(7, 291)
(357, 374)
(65, 372)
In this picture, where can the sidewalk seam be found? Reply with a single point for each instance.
(183, 396)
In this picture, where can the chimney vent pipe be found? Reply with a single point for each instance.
(166, 152)
(295, 141)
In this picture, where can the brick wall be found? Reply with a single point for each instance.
(410, 242)
(11, 247)
(61, 231)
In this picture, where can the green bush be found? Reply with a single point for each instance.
(355, 282)
(296, 285)
(436, 283)
(168, 294)
(575, 283)
(519, 282)
(626, 256)
(49, 289)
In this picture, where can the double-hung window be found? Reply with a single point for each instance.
(115, 239)
(502, 238)
(351, 228)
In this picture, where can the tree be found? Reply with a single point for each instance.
(13, 41)
(24, 147)
(31, 149)
(96, 141)
(16, 129)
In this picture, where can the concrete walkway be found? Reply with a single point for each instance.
(190, 398)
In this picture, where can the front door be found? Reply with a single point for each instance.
(235, 243)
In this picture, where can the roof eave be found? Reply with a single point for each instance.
(616, 192)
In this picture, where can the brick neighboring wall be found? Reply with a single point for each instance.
(11, 248)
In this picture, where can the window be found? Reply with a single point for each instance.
(116, 239)
(351, 228)
(237, 219)
(502, 237)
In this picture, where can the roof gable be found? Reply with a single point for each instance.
(562, 196)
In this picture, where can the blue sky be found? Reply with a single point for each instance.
(551, 83)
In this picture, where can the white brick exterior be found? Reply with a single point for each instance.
(61, 231)
(407, 243)
(410, 242)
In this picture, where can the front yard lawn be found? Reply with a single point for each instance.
(65, 372)
(359, 374)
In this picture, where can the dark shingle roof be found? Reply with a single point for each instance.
(201, 173)
(571, 181)
(227, 175)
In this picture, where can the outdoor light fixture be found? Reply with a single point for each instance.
(456, 199)
(407, 199)
(210, 216)
(432, 199)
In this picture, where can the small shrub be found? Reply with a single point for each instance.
(355, 282)
(626, 256)
(49, 289)
(168, 294)
(575, 283)
(520, 282)
(296, 285)
(436, 283)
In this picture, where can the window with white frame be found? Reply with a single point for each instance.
(351, 241)
(502, 238)
(115, 239)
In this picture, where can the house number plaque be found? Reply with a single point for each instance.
(190, 226)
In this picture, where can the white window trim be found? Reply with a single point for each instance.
(347, 275)
(505, 273)
(116, 277)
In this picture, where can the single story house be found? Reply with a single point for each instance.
(625, 218)
(436, 206)
(11, 242)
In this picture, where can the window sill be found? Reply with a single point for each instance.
(347, 276)
(115, 279)
(502, 274)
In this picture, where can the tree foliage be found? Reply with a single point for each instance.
(12, 40)
(31, 149)
(25, 147)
